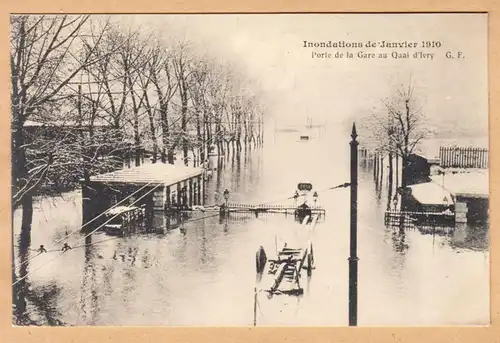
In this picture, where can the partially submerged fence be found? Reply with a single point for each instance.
(410, 219)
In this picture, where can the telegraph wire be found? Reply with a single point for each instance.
(102, 241)
(99, 227)
(84, 225)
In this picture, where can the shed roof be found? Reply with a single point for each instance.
(65, 123)
(473, 184)
(431, 193)
(156, 173)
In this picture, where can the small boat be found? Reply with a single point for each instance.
(304, 137)
(120, 219)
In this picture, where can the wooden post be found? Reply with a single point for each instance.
(381, 169)
(179, 195)
(353, 258)
(191, 192)
(167, 200)
(195, 192)
(375, 165)
(255, 307)
(397, 172)
(88, 200)
(199, 190)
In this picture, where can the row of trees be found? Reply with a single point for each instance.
(86, 91)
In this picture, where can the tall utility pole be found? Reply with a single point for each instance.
(353, 258)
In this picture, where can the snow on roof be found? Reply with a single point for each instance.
(120, 209)
(472, 184)
(431, 193)
(154, 173)
(69, 123)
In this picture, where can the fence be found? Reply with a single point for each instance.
(418, 219)
(456, 157)
(271, 209)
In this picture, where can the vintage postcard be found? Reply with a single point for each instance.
(250, 170)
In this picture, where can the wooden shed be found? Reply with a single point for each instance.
(160, 187)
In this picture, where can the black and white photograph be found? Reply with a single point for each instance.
(249, 169)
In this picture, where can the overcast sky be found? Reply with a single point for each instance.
(269, 49)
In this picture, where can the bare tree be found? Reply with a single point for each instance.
(400, 126)
(45, 56)
(163, 79)
(201, 101)
(183, 67)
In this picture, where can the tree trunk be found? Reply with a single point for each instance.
(262, 132)
(389, 197)
(170, 156)
(20, 172)
(137, 139)
(137, 148)
(152, 127)
(203, 144)
(199, 136)
(195, 158)
(217, 139)
(220, 145)
(374, 165)
(397, 171)
(381, 169)
(406, 154)
(27, 216)
(21, 287)
(403, 171)
(184, 127)
(238, 145)
(391, 173)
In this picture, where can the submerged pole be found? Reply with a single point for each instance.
(353, 258)
(255, 307)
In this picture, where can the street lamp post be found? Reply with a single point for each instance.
(225, 209)
(226, 196)
(353, 258)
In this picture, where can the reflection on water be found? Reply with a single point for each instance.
(204, 272)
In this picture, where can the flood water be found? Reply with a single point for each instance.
(205, 274)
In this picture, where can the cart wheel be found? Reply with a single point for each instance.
(260, 260)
